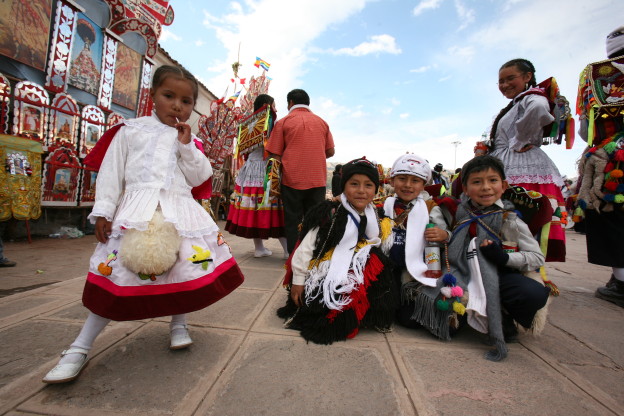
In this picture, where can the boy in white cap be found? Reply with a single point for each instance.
(411, 209)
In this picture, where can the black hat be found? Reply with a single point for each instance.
(362, 166)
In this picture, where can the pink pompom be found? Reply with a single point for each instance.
(457, 291)
(446, 292)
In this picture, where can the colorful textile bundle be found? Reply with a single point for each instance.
(563, 125)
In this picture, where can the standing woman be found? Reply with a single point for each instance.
(516, 137)
(247, 217)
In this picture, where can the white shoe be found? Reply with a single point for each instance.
(63, 373)
(180, 340)
(264, 253)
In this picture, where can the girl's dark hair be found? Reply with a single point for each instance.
(261, 100)
(479, 164)
(524, 66)
(165, 71)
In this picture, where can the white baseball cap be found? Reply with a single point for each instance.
(410, 164)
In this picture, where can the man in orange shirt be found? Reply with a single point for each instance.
(302, 141)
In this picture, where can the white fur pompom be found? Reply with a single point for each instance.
(153, 251)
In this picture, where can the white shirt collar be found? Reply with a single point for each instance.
(299, 106)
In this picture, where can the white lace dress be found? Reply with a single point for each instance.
(523, 125)
(146, 168)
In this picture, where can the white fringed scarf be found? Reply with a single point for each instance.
(337, 278)
(417, 220)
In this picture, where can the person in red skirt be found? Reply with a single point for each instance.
(253, 214)
(159, 252)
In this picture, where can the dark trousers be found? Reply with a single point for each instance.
(296, 203)
(521, 296)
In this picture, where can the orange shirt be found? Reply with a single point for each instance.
(301, 139)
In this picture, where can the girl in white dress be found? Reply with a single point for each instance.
(160, 252)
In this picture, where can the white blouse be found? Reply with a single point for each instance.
(145, 167)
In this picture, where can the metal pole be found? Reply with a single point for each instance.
(455, 143)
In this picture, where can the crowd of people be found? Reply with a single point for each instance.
(350, 263)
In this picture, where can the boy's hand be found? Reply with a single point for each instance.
(184, 132)
(494, 253)
(103, 229)
(435, 234)
(296, 294)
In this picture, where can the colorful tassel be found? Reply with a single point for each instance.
(449, 279)
(609, 167)
(619, 199)
(447, 291)
(610, 147)
(457, 292)
(616, 173)
(569, 133)
(442, 305)
(611, 186)
(458, 308)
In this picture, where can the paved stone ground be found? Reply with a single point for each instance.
(243, 362)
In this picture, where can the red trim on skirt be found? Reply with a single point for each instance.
(129, 303)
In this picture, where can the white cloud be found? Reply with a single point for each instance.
(255, 25)
(404, 115)
(199, 42)
(167, 35)
(461, 54)
(426, 5)
(377, 44)
(421, 69)
(466, 15)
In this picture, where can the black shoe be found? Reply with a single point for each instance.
(611, 281)
(613, 293)
(7, 263)
(510, 331)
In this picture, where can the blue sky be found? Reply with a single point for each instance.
(391, 76)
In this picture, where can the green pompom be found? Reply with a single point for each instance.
(610, 147)
(442, 305)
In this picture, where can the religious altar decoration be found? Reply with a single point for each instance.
(30, 111)
(61, 172)
(92, 127)
(64, 118)
(20, 178)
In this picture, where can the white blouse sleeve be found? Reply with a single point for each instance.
(194, 164)
(110, 180)
(301, 259)
(531, 121)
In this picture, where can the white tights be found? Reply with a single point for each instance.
(95, 324)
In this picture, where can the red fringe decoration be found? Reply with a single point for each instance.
(359, 299)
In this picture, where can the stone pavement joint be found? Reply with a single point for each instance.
(244, 362)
